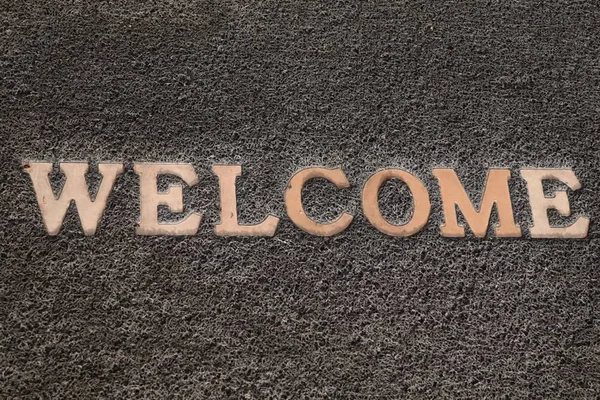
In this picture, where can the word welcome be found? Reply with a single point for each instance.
(495, 193)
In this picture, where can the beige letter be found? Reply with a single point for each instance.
(229, 220)
(496, 191)
(150, 199)
(370, 200)
(75, 188)
(540, 204)
(295, 210)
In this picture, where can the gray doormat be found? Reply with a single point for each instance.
(277, 86)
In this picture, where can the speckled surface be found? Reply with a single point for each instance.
(276, 86)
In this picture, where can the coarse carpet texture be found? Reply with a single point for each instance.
(277, 86)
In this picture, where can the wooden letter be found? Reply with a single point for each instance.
(229, 220)
(370, 202)
(150, 199)
(54, 209)
(560, 202)
(295, 210)
(495, 192)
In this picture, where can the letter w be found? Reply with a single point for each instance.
(75, 188)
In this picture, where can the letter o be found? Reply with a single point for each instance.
(370, 203)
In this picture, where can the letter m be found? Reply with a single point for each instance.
(54, 208)
(496, 192)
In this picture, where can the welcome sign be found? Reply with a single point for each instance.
(495, 193)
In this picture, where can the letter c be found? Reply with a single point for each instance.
(295, 210)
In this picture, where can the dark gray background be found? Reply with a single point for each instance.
(276, 86)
